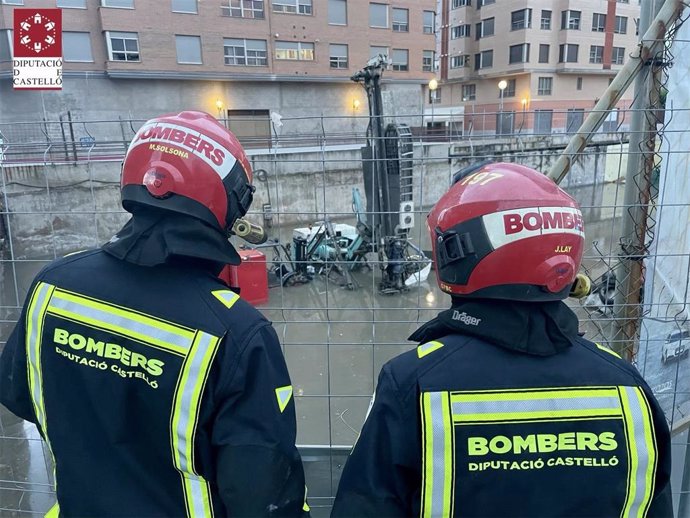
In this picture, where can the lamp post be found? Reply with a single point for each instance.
(502, 84)
(433, 85)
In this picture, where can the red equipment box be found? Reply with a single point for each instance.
(251, 277)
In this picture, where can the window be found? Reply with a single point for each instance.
(544, 85)
(76, 46)
(122, 46)
(544, 53)
(188, 50)
(509, 90)
(596, 54)
(598, 22)
(485, 28)
(122, 4)
(618, 56)
(521, 19)
(292, 6)
(621, 26)
(579, 83)
(294, 50)
(429, 22)
(459, 61)
(5, 45)
(567, 53)
(574, 119)
(399, 58)
(378, 15)
(623, 1)
(338, 55)
(337, 12)
(545, 23)
(185, 6)
(12, 2)
(460, 31)
(543, 120)
(428, 58)
(401, 20)
(518, 53)
(461, 3)
(70, 4)
(570, 20)
(243, 9)
(610, 123)
(469, 92)
(484, 59)
(375, 51)
(482, 3)
(435, 96)
(251, 53)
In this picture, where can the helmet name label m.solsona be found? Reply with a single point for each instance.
(512, 225)
(213, 153)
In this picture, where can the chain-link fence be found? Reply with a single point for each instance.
(60, 193)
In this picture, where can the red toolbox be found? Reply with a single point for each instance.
(251, 277)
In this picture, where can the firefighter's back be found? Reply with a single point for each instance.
(502, 433)
(120, 356)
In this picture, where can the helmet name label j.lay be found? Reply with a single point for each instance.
(513, 225)
(213, 153)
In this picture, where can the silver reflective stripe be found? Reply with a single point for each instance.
(198, 491)
(35, 323)
(193, 371)
(637, 416)
(439, 462)
(111, 320)
(536, 405)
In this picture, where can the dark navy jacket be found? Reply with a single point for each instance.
(159, 391)
(461, 427)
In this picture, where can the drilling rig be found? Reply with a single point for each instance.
(388, 166)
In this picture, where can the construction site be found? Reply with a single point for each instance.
(337, 252)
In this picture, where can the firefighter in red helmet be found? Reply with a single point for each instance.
(157, 389)
(503, 409)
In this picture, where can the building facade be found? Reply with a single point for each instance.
(240, 59)
(535, 66)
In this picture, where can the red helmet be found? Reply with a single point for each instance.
(506, 231)
(188, 163)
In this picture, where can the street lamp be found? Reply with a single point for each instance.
(433, 85)
(219, 107)
(502, 84)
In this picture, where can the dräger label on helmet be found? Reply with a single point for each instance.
(217, 156)
(512, 225)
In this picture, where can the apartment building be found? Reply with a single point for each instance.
(228, 57)
(540, 63)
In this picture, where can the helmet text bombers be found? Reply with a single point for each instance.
(506, 231)
(191, 164)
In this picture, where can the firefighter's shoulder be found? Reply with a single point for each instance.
(609, 357)
(238, 316)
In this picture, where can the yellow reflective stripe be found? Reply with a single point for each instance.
(530, 395)
(283, 394)
(183, 422)
(306, 507)
(54, 511)
(125, 322)
(438, 456)
(226, 297)
(607, 350)
(530, 405)
(40, 299)
(642, 456)
(428, 348)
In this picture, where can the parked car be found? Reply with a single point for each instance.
(676, 345)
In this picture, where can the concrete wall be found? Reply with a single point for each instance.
(57, 209)
(98, 98)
